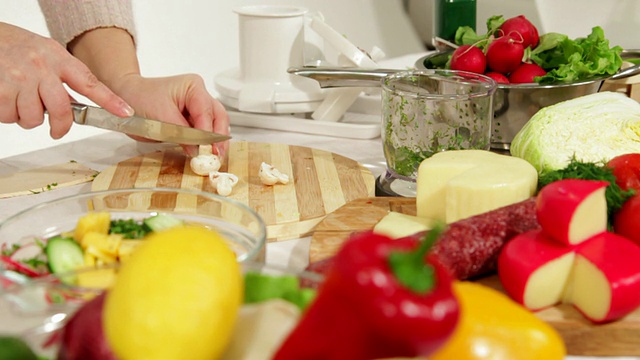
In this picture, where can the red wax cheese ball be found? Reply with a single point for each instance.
(572, 210)
(534, 269)
(468, 58)
(600, 277)
(605, 282)
(526, 73)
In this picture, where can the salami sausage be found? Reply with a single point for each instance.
(470, 247)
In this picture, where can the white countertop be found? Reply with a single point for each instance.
(105, 150)
(102, 151)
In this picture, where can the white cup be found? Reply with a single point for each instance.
(271, 41)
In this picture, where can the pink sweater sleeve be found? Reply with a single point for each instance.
(67, 19)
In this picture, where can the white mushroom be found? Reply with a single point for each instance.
(269, 175)
(204, 164)
(222, 182)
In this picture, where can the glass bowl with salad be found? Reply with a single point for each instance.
(274, 299)
(101, 229)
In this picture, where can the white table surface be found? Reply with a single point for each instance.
(102, 151)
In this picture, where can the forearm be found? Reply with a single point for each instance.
(110, 53)
(101, 33)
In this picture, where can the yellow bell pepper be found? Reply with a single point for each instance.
(492, 326)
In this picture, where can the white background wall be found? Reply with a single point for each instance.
(200, 36)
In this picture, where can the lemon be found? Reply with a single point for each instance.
(177, 297)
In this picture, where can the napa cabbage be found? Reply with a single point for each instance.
(591, 128)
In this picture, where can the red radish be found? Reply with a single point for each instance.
(468, 58)
(534, 269)
(83, 337)
(504, 55)
(499, 78)
(605, 280)
(571, 211)
(526, 73)
(626, 221)
(520, 28)
(626, 169)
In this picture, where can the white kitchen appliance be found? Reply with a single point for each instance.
(261, 93)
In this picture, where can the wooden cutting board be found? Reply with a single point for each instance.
(620, 338)
(320, 182)
(46, 178)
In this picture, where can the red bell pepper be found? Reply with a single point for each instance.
(380, 298)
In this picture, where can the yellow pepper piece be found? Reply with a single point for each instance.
(89, 260)
(97, 278)
(105, 243)
(102, 258)
(92, 222)
(492, 326)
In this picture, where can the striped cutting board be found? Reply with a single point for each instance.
(320, 182)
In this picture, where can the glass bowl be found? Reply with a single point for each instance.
(29, 229)
(46, 319)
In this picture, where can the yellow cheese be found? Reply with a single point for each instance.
(457, 184)
(396, 225)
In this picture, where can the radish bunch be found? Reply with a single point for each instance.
(502, 55)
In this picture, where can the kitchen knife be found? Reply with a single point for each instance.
(147, 128)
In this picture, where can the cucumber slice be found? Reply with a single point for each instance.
(64, 254)
(162, 221)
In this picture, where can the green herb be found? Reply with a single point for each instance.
(51, 186)
(35, 262)
(407, 160)
(129, 228)
(590, 171)
(9, 251)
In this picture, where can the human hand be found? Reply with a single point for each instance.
(32, 72)
(181, 99)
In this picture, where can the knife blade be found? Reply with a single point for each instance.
(147, 128)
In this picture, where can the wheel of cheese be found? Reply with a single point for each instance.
(457, 184)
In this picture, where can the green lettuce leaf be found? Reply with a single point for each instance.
(571, 60)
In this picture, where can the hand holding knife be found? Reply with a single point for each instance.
(147, 128)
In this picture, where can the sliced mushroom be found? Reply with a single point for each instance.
(205, 162)
(269, 175)
(223, 182)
